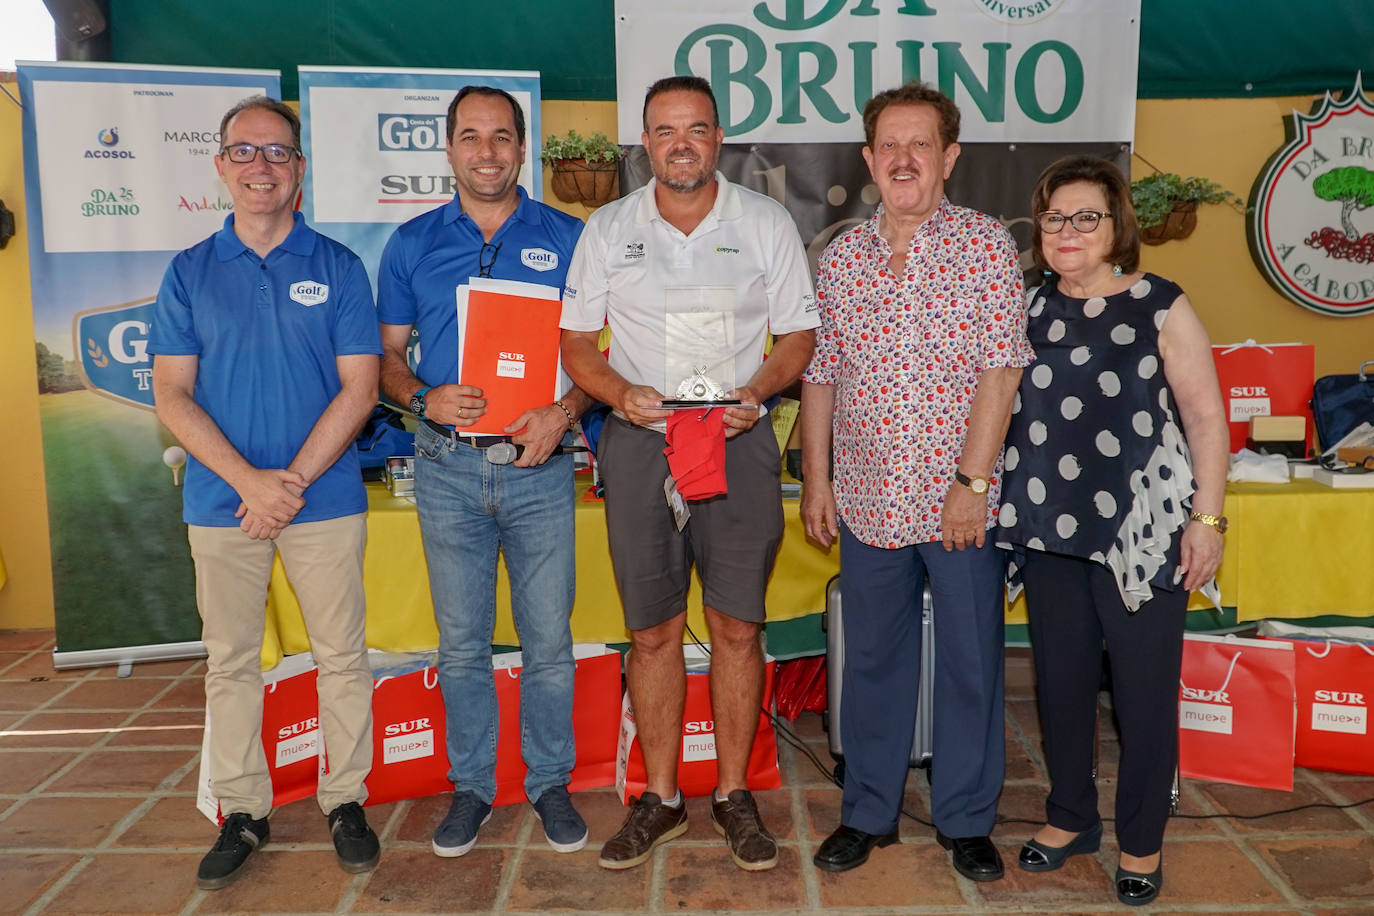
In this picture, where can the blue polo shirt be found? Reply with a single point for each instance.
(267, 331)
(429, 257)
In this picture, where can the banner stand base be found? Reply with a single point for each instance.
(126, 656)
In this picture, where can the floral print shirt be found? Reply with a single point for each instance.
(905, 354)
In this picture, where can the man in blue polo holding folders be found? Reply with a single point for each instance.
(483, 494)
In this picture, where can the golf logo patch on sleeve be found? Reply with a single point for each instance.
(309, 292)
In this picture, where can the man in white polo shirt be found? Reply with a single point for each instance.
(692, 273)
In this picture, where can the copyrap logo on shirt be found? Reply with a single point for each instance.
(538, 258)
(308, 292)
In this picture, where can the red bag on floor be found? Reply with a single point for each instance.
(696, 774)
(1236, 711)
(800, 687)
(1263, 380)
(1335, 684)
(596, 690)
(409, 752)
(291, 736)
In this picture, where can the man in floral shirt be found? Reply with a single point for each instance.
(917, 361)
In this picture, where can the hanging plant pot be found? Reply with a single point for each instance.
(1178, 224)
(578, 181)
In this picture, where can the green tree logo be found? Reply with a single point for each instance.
(1353, 186)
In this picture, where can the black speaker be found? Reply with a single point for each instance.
(77, 20)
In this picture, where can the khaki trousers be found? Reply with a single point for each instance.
(324, 563)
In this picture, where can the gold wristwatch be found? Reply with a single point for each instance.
(1216, 521)
(978, 485)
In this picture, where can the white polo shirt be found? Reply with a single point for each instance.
(670, 297)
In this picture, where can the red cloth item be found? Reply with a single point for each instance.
(696, 452)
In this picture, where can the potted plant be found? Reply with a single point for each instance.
(1166, 204)
(584, 168)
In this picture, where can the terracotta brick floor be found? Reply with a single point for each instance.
(97, 815)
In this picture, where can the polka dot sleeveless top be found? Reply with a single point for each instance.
(1096, 464)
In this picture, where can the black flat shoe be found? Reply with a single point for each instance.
(848, 848)
(1036, 856)
(1136, 889)
(975, 857)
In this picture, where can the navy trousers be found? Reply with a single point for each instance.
(881, 594)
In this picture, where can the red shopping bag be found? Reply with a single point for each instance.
(800, 687)
(1335, 685)
(1262, 380)
(1236, 711)
(409, 753)
(596, 691)
(291, 736)
(696, 772)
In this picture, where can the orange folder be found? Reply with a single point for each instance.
(509, 348)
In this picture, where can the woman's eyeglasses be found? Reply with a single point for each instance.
(1084, 221)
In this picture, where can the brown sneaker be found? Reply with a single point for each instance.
(650, 822)
(737, 819)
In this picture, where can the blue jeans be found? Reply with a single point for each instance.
(469, 510)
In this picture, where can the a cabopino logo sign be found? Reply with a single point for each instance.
(108, 147)
(112, 349)
(1312, 230)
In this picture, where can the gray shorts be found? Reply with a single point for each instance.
(732, 539)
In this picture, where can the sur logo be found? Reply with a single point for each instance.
(1312, 232)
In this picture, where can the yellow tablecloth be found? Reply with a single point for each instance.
(1294, 550)
(400, 615)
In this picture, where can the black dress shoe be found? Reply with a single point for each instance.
(1036, 856)
(974, 856)
(1137, 889)
(848, 848)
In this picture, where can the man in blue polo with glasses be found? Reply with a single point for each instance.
(265, 365)
(483, 494)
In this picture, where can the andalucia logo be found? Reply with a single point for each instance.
(1310, 233)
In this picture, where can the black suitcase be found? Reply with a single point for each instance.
(831, 623)
(1342, 402)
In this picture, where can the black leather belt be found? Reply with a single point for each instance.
(440, 429)
(499, 449)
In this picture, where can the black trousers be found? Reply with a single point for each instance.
(1074, 607)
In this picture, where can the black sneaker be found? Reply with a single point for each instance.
(239, 835)
(354, 841)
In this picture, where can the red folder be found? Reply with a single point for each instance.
(509, 349)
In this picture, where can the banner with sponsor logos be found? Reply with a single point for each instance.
(788, 71)
(119, 175)
(375, 139)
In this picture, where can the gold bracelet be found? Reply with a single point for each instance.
(572, 424)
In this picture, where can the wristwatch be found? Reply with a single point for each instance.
(417, 402)
(1216, 521)
(976, 484)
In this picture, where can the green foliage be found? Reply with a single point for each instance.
(55, 374)
(1155, 195)
(572, 145)
(1351, 183)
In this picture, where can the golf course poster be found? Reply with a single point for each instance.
(119, 175)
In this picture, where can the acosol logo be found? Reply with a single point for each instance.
(1308, 234)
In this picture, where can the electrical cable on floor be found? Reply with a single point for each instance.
(797, 742)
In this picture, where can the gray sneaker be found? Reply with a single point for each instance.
(457, 832)
(563, 826)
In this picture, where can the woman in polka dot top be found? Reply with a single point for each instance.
(1115, 477)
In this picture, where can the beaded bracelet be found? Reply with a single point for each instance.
(564, 407)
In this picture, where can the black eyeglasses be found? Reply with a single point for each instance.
(274, 153)
(1084, 221)
(487, 258)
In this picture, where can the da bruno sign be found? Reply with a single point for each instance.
(1312, 229)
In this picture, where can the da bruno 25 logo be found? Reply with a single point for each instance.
(1312, 229)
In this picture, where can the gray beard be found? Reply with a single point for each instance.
(686, 187)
